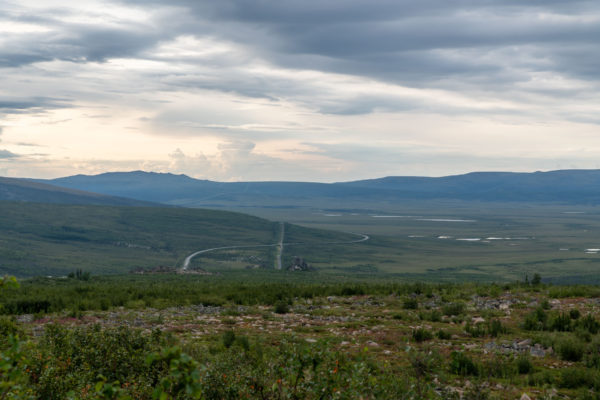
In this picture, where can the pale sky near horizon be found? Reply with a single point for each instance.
(311, 90)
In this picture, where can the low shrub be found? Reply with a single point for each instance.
(228, 339)
(282, 307)
(572, 378)
(443, 335)
(499, 366)
(536, 320)
(421, 335)
(589, 323)
(524, 365)
(496, 328)
(410, 304)
(561, 322)
(452, 309)
(462, 364)
(477, 330)
(570, 349)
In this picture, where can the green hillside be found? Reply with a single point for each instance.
(53, 239)
(12, 189)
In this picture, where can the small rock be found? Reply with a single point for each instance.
(524, 344)
(490, 346)
(525, 397)
(537, 351)
(25, 318)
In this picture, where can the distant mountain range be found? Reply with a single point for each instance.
(12, 189)
(563, 186)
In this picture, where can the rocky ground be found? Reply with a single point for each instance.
(490, 329)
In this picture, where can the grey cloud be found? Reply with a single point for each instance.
(366, 104)
(480, 46)
(351, 30)
(318, 12)
(100, 44)
(13, 59)
(5, 154)
(76, 42)
(392, 40)
(31, 105)
(27, 144)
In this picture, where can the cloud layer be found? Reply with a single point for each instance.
(311, 90)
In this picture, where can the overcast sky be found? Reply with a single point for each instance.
(318, 90)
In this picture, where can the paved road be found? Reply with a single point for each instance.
(280, 245)
(364, 238)
(188, 259)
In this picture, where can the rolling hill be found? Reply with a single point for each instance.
(55, 239)
(563, 187)
(12, 189)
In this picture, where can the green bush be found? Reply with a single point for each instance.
(243, 342)
(542, 378)
(574, 314)
(524, 365)
(410, 304)
(546, 305)
(498, 366)
(435, 316)
(282, 307)
(477, 330)
(561, 323)
(575, 377)
(571, 349)
(443, 335)
(495, 328)
(70, 359)
(589, 323)
(228, 339)
(421, 335)
(462, 364)
(8, 328)
(14, 378)
(536, 320)
(452, 309)
(183, 378)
